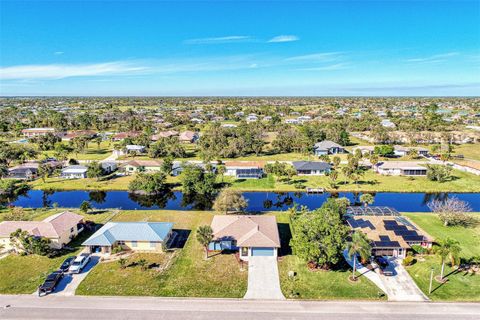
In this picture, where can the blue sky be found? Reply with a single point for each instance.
(319, 48)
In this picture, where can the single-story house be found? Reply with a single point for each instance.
(366, 150)
(390, 235)
(108, 166)
(327, 147)
(35, 132)
(74, 172)
(292, 121)
(252, 235)
(401, 168)
(135, 236)
(123, 135)
(387, 123)
(311, 167)
(164, 134)
(60, 229)
(143, 166)
(188, 136)
(79, 133)
(401, 151)
(177, 167)
(134, 148)
(26, 171)
(244, 169)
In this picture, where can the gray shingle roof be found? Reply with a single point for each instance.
(311, 165)
(327, 144)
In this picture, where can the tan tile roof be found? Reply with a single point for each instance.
(248, 164)
(51, 227)
(144, 163)
(248, 231)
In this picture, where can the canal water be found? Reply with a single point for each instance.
(257, 201)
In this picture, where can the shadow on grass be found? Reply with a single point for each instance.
(285, 236)
(180, 239)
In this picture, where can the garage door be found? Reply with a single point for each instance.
(262, 251)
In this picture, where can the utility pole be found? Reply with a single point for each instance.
(431, 280)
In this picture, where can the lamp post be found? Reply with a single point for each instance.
(431, 280)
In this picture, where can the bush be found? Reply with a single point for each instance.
(419, 249)
(117, 249)
(408, 261)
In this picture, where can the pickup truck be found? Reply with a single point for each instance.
(50, 283)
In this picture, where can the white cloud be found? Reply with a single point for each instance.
(284, 38)
(318, 57)
(434, 58)
(58, 53)
(332, 67)
(226, 39)
(60, 71)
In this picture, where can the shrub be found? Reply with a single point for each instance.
(419, 249)
(408, 261)
(117, 249)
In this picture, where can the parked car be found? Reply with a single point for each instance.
(79, 263)
(66, 264)
(50, 283)
(383, 266)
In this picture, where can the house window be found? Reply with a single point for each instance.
(134, 244)
(72, 230)
(121, 243)
(153, 244)
(244, 251)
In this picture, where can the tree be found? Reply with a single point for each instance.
(358, 246)
(22, 241)
(367, 199)
(318, 236)
(336, 162)
(384, 150)
(149, 183)
(95, 170)
(204, 237)
(196, 181)
(98, 141)
(143, 264)
(333, 179)
(448, 249)
(85, 206)
(230, 200)
(436, 172)
(374, 161)
(167, 165)
(3, 171)
(221, 169)
(453, 212)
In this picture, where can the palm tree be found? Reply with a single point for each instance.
(204, 237)
(359, 245)
(366, 199)
(448, 248)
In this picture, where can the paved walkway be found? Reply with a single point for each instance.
(263, 281)
(400, 286)
(367, 273)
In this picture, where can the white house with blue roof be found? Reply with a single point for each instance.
(135, 236)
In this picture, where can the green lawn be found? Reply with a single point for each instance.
(469, 151)
(325, 285)
(57, 183)
(188, 275)
(461, 285)
(92, 152)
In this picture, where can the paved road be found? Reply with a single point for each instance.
(263, 281)
(56, 307)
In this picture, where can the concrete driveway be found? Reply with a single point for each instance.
(70, 282)
(263, 280)
(400, 286)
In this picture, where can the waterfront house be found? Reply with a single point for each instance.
(244, 169)
(251, 235)
(74, 172)
(36, 132)
(401, 168)
(130, 236)
(134, 148)
(60, 229)
(142, 166)
(314, 168)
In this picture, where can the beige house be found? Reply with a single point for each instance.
(60, 229)
(401, 168)
(252, 235)
(135, 236)
(142, 166)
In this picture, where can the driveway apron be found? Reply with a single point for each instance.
(263, 279)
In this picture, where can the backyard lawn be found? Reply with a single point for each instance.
(461, 285)
(92, 152)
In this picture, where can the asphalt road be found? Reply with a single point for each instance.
(58, 307)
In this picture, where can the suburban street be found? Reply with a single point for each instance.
(56, 307)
